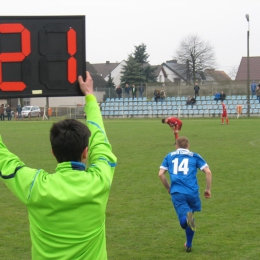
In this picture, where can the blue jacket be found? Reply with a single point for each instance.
(217, 95)
(253, 86)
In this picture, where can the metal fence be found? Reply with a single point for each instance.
(76, 112)
(178, 90)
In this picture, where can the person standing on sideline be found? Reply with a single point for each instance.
(174, 123)
(196, 89)
(182, 166)
(2, 112)
(8, 112)
(141, 90)
(253, 88)
(67, 208)
(224, 113)
(19, 112)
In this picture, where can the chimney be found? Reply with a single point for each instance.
(171, 61)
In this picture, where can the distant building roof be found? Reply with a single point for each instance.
(217, 75)
(181, 70)
(178, 69)
(104, 69)
(254, 68)
(159, 68)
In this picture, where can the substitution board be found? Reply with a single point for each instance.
(41, 56)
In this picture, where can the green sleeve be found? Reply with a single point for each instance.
(100, 156)
(13, 172)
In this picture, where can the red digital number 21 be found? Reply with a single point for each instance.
(15, 56)
(26, 50)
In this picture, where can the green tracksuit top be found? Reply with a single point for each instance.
(66, 208)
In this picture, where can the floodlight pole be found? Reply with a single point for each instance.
(248, 70)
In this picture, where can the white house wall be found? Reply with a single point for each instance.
(161, 77)
(170, 74)
(116, 73)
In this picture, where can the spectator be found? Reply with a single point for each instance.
(141, 90)
(127, 90)
(133, 91)
(8, 112)
(222, 96)
(162, 95)
(217, 97)
(2, 112)
(192, 101)
(156, 95)
(119, 92)
(188, 102)
(253, 88)
(196, 89)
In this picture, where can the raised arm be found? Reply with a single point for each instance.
(100, 156)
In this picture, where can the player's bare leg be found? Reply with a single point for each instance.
(176, 134)
(227, 120)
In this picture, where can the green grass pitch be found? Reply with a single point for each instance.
(141, 222)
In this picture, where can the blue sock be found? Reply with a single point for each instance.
(183, 222)
(189, 236)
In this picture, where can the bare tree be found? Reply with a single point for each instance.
(197, 55)
(233, 72)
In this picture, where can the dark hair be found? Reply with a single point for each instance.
(163, 120)
(68, 140)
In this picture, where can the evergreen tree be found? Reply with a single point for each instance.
(110, 83)
(149, 73)
(110, 88)
(137, 69)
(132, 72)
(141, 56)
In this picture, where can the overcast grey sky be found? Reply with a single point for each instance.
(114, 27)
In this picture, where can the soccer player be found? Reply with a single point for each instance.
(224, 113)
(182, 167)
(67, 208)
(174, 123)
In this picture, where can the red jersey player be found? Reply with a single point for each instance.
(174, 123)
(224, 113)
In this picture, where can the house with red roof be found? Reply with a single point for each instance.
(254, 69)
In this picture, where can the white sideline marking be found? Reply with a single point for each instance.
(255, 143)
